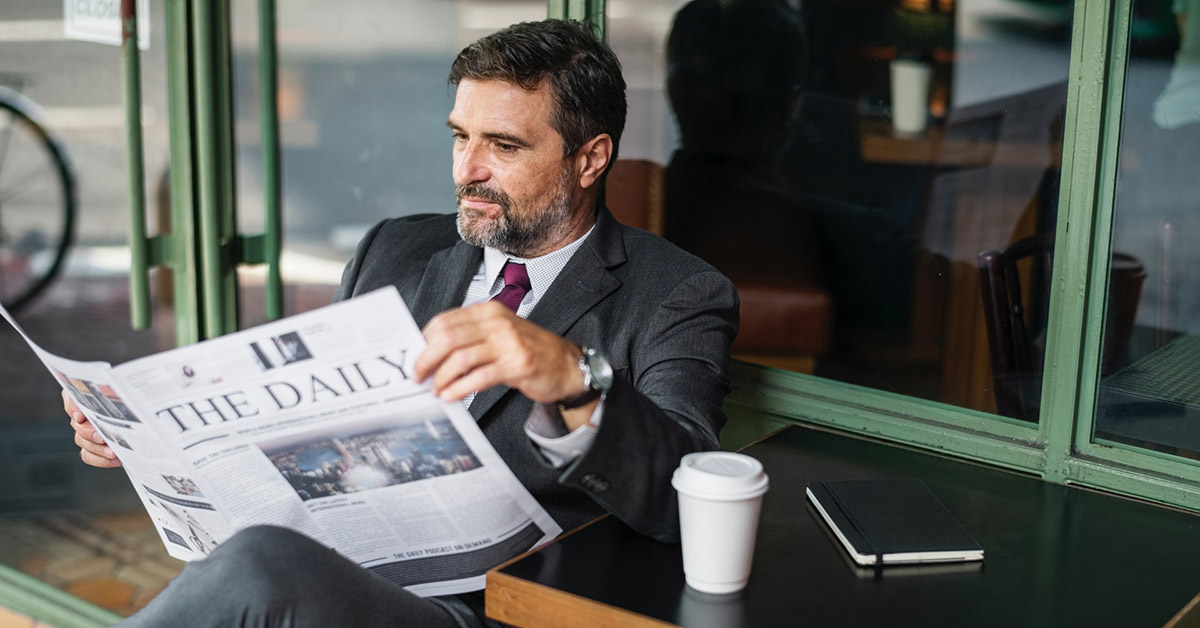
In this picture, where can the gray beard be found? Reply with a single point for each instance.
(521, 234)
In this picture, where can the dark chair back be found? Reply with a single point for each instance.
(1016, 359)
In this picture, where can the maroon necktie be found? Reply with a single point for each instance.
(516, 284)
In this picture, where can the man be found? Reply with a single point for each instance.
(536, 123)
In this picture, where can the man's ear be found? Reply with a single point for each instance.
(592, 158)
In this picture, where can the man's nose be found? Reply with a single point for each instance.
(469, 165)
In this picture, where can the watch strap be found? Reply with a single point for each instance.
(570, 404)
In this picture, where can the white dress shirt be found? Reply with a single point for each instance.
(545, 426)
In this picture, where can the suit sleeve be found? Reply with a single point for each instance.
(670, 406)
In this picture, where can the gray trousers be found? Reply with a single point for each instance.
(267, 576)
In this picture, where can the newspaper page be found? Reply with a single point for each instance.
(313, 423)
(186, 521)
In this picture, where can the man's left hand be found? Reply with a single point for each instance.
(484, 345)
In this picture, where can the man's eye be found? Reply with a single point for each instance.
(459, 137)
(506, 148)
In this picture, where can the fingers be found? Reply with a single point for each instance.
(455, 330)
(98, 461)
(461, 368)
(92, 449)
(485, 345)
(69, 406)
(95, 454)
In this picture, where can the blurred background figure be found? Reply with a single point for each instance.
(735, 73)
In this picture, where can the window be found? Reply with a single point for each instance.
(1150, 397)
(48, 494)
(846, 164)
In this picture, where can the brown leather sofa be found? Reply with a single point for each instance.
(786, 311)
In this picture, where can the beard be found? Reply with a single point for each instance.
(523, 230)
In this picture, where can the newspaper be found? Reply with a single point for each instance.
(313, 423)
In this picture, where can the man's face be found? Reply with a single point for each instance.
(516, 191)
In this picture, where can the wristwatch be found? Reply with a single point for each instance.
(597, 376)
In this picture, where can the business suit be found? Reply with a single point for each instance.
(663, 318)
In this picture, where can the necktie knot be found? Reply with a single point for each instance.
(516, 286)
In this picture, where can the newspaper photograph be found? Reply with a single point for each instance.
(313, 423)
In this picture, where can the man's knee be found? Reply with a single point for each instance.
(263, 562)
(267, 542)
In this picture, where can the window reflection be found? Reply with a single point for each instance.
(75, 527)
(1153, 401)
(847, 163)
(363, 101)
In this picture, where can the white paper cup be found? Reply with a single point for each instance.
(910, 95)
(720, 495)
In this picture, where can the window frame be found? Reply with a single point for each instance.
(1060, 448)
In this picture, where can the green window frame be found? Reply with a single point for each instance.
(1060, 447)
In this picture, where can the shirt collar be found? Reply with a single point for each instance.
(542, 270)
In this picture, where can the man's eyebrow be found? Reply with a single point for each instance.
(507, 138)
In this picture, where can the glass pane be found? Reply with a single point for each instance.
(72, 526)
(1150, 389)
(363, 102)
(846, 164)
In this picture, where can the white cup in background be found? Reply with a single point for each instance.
(720, 495)
(910, 95)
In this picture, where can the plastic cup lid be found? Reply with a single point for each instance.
(720, 475)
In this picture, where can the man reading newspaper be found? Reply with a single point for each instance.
(591, 354)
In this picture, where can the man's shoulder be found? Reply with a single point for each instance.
(648, 251)
(415, 233)
(421, 225)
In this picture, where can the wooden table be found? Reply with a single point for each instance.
(879, 144)
(1056, 556)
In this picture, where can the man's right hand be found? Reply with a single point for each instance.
(91, 445)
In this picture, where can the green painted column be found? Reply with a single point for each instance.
(216, 209)
(182, 250)
(139, 258)
(1083, 241)
(582, 10)
(268, 83)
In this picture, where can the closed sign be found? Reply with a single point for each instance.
(100, 21)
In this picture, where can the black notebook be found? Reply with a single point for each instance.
(892, 521)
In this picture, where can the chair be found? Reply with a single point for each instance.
(785, 319)
(1016, 359)
(634, 194)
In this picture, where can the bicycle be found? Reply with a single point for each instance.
(37, 201)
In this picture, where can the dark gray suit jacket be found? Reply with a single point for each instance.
(662, 317)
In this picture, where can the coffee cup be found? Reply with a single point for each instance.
(910, 95)
(720, 496)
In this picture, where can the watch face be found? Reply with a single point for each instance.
(601, 370)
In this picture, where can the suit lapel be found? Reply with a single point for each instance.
(444, 284)
(583, 283)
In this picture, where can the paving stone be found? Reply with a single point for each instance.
(142, 578)
(33, 565)
(87, 567)
(114, 560)
(121, 523)
(104, 592)
(166, 571)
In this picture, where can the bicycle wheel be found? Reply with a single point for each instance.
(37, 201)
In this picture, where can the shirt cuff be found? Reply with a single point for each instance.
(546, 429)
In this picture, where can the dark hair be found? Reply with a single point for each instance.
(583, 73)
